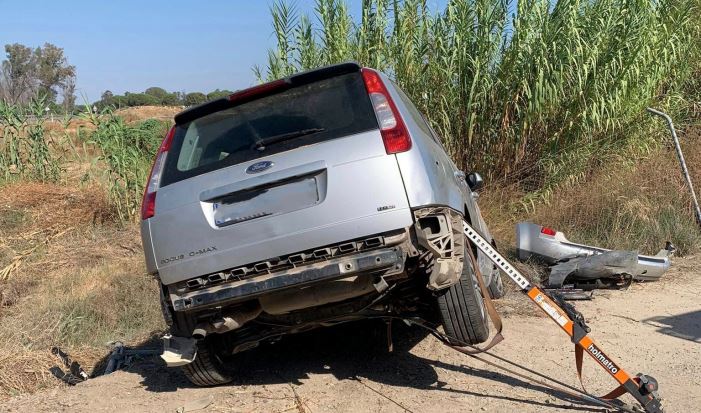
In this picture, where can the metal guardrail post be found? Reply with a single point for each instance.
(680, 155)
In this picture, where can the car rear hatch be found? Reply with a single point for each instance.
(279, 168)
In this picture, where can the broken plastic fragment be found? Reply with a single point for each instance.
(605, 265)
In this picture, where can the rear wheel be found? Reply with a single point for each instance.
(207, 369)
(462, 310)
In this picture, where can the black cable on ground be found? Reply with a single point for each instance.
(566, 388)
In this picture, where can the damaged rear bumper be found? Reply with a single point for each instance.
(553, 249)
(384, 261)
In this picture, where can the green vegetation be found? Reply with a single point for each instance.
(24, 152)
(127, 150)
(539, 96)
(540, 91)
(30, 73)
(156, 96)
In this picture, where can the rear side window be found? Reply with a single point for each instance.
(303, 115)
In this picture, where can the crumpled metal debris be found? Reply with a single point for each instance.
(178, 351)
(605, 265)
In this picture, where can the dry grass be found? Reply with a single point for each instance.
(138, 113)
(80, 282)
(60, 126)
(57, 125)
(625, 204)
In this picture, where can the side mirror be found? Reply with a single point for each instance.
(474, 181)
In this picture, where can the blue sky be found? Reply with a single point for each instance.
(130, 45)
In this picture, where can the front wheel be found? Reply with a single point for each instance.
(461, 308)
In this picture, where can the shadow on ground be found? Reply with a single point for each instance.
(353, 351)
(686, 326)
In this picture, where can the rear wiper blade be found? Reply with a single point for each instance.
(260, 144)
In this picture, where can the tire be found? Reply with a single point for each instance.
(207, 369)
(462, 311)
(496, 286)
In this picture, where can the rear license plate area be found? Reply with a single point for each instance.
(259, 202)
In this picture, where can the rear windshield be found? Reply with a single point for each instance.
(303, 115)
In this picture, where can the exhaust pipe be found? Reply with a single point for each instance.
(200, 331)
(228, 322)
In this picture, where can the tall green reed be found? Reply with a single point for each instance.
(516, 88)
(25, 146)
(127, 151)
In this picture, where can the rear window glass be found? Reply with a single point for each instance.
(303, 115)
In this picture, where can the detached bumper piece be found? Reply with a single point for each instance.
(586, 263)
(384, 261)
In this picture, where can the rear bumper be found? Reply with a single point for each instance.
(384, 261)
(553, 249)
(277, 240)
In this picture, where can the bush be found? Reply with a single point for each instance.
(194, 98)
(140, 99)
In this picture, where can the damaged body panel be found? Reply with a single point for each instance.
(439, 231)
(382, 261)
(593, 267)
(552, 247)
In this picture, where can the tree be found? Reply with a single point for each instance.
(140, 99)
(17, 80)
(53, 70)
(43, 71)
(119, 101)
(194, 98)
(162, 96)
(68, 93)
(107, 97)
(218, 94)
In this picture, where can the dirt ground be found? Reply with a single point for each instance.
(654, 328)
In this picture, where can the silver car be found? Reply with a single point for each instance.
(313, 200)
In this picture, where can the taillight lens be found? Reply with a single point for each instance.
(394, 133)
(148, 204)
(548, 231)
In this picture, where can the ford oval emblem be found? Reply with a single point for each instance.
(259, 167)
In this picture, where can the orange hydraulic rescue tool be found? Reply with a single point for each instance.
(643, 388)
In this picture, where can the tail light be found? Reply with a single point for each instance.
(257, 91)
(148, 204)
(394, 133)
(548, 231)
